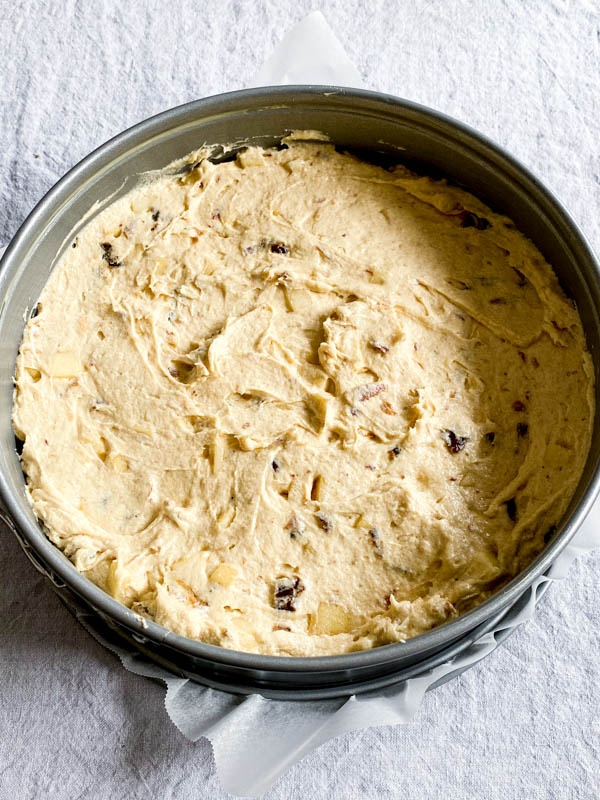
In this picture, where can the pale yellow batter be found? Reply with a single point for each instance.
(298, 404)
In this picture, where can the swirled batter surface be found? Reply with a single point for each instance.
(298, 404)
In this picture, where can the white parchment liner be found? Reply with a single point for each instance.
(255, 740)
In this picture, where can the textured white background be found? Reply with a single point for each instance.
(522, 724)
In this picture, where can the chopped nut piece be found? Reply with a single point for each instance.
(381, 348)
(453, 442)
(370, 390)
(217, 450)
(120, 463)
(286, 591)
(387, 408)
(226, 517)
(192, 598)
(316, 488)
(224, 574)
(324, 521)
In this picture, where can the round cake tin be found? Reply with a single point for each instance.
(377, 127)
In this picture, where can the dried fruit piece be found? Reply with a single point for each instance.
(470, 220)
(295, 526)
(376, 540)
(511, 509)
(330, 619)
(252, 157)
(549, 533)
(108, 256)
(275, 466)
(224, 574)
(522, 428)
(279, 248)
(395, 451)
(521, 279)
(64, 365)
(286, 591)
(381, 348)
(458, 284)
(490, 437)
(519, 406)
(324, 521)
(453, 442)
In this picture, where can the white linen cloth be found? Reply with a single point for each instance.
(72, 722)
